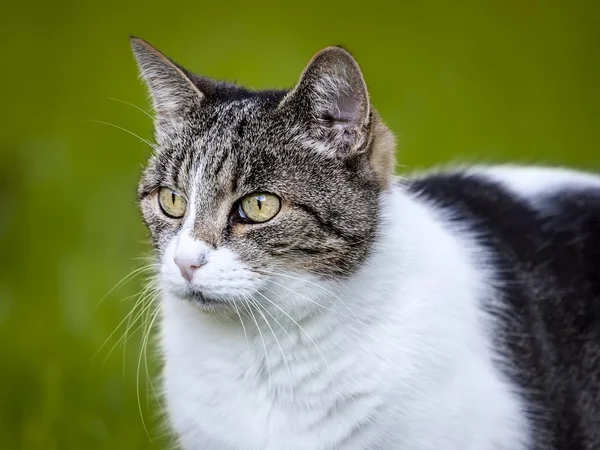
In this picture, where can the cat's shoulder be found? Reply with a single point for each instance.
(525, 188)
(521, 207)
(536, 213)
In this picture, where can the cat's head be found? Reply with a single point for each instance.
(248, 190)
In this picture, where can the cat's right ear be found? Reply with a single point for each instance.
(173, 89)
(332, 96)
(331, 100)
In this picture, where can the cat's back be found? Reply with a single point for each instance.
(540, 228)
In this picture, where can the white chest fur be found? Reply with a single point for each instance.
(399, 357)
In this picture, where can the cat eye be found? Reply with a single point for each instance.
(259, 207)
(171, 203)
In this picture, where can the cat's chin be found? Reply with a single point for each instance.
(206, 303)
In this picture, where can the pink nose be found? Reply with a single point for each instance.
(187, 266)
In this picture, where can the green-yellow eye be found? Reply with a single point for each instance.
(171, 203)
(259, 207)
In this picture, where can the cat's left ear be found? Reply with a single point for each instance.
(332, 98)
(173, 89)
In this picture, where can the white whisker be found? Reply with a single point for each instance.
(132, 329)
(149, 295)
(131, 104)
(126, 318)
(303, 331)
(313, 301)
(124, 280)
(145, 348)
(237, 311)
(262, 339)
(255, 302)
(316, 285)
(144, 342)
(152, 146)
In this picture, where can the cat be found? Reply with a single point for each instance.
(310, 299)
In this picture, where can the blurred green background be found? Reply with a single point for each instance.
(456, 80)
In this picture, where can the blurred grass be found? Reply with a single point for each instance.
(461, 80)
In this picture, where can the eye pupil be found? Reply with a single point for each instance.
(173, 197)
(259, 203)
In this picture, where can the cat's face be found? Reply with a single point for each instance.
(247, 188)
